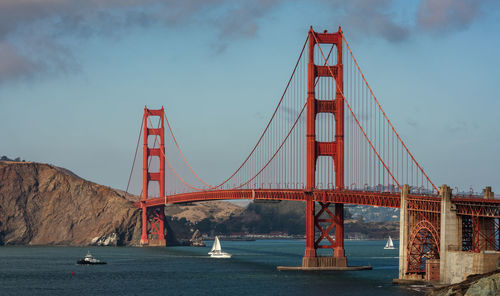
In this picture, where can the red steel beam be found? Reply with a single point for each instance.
(423, 203)
(380, 199)
(478, 207)
(465, 206)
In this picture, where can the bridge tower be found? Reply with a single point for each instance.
(334, 149)
(153, 227)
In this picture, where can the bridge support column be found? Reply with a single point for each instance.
(310, 251)
(329, 225)
(324, 220)
(153, 227)
(339, 252)
(153, 218)
(157, 231)
(451, 235)
(403, 233)
(485, 228)
(144, 216)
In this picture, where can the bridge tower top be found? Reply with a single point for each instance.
(335, 106)
(159, 152)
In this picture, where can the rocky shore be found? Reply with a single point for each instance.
(196, 240)
(483, 285)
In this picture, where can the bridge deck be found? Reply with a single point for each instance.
(381, 199)
(465, 206)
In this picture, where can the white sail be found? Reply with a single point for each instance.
(216, 251)
(389, 244)
(216, 246)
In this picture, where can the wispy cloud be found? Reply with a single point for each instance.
(14, 65)
(241, 21)
(444, 16)
(370, 18)
(378, 18)
(33, 34)
(412, 122)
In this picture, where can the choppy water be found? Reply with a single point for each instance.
(189, 271)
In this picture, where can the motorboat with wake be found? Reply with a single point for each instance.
(89, 260)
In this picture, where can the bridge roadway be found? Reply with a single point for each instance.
(465, 205)
(382, 199)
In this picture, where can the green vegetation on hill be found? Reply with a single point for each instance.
(287, 217)
(5, 158)
(262, 218)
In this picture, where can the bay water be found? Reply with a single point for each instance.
(36, 270)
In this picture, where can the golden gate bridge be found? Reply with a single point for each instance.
(327, 143)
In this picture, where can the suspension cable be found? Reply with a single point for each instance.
(355, 118)
(248, 181)
(380, 107)
(173, 170)
(275, 153)
(265, 130)
(135, 155)
(182, 154)
(261, 137)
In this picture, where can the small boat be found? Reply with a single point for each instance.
(216, 251)
(89, 260)
(389, 245)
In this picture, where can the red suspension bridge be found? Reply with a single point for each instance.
(328, 143)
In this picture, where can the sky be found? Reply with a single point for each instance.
(75, 77)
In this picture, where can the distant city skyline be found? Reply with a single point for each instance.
(75, 77)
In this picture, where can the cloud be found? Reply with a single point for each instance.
(385, 18)
(371, 18)
(241, 21)
(290, 114)
(14, 65)
(34, 35)
(457, 126)
(412, 122)
(444, 16)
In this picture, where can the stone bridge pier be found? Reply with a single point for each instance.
(448, 238)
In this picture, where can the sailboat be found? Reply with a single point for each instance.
(389, 245)
(216, 251)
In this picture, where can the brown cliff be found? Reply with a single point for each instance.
(41, 204)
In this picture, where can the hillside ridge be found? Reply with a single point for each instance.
(43, 204)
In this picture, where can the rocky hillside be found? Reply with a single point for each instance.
(481, 284)
(41, 204)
